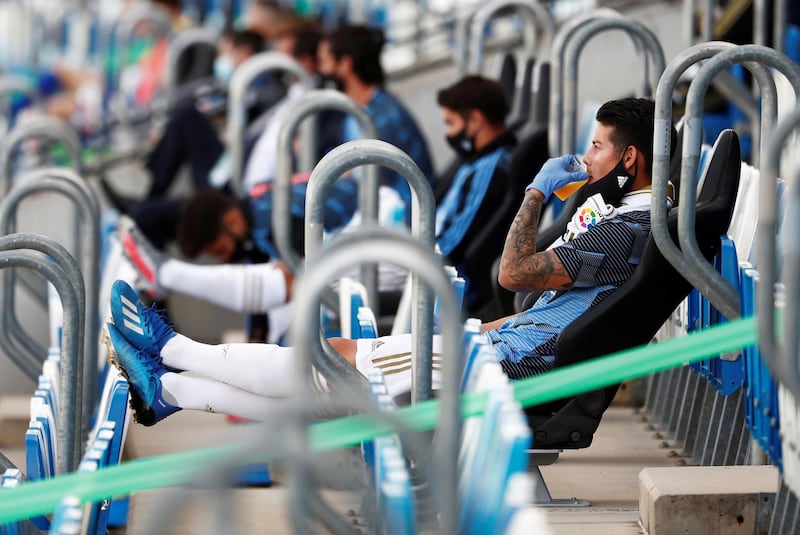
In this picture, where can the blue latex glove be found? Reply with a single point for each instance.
(557, 173)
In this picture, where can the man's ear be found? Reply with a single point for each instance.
(346, 64)
(476, 121)
(630, 156)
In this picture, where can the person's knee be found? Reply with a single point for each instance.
(347, 348)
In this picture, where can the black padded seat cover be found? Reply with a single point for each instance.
(508, 76)
(523, 96)
(632, 315)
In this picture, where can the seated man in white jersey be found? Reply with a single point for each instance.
(599, 251)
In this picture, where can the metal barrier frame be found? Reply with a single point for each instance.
(575, 44)
(557, 50)
(661, 158)
(181, 43)
(237, 120)
(535, 16)
(719, 292)
(124, 30)
(423, 220)
(313, 101)
(781, 357)
(69, 184)
(70, 418)
(375, 244)
(43, 127)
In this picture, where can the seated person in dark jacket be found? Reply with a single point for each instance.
(477, 208)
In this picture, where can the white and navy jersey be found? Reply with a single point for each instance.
(598, 261)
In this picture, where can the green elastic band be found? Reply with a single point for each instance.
(42, 497)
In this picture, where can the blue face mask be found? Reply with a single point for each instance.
(223, 69)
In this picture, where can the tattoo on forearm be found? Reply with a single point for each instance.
(520, 261)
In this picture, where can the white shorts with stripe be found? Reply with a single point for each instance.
(392, 355)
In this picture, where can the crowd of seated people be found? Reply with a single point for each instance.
(474, 209)
(578, 272)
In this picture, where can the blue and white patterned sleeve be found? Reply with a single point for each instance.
(608, 253)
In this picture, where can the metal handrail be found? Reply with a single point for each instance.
(782, 358)
(70, 419)
(313, 101)
(67, 183)
(11, 83)
(181, 43)
(575, 45)
(374, 244)
(243, 76)
(780, 21)
(124, 30)
(662, 139)
(700, 273)
(690, 23)
(423, 216)
(40, 127)
(557, 50)
(536, 17)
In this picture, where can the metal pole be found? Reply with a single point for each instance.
(62, 181)
(183, 42)
(69, 417)
(688, 22)
(574, 47)
(243, 76)
(41, 127)
(707, 29)
(384, 245)
(780, 22)
(781, 358)
(538, 24)
(700, 273)
(423, 216)
(662, 144)
(311, 102)
(557, 50)
(760, 22)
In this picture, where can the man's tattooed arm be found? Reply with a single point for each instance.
(521, 267)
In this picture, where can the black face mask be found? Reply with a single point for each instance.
(463, 146)
(332, 81)
(244, 248)
(614, 185)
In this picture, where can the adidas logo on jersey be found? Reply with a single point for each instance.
(376, 344)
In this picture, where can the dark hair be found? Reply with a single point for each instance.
(172, 5)
(268, 4)
(476, 93)
(364, 46)
(201, 220)
(249, 39)
(633, 123)
(307, 35)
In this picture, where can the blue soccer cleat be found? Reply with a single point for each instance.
(144, 327)
(143, 370)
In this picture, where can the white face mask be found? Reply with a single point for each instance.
(223, 69)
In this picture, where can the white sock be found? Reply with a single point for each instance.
(252, 289)
(263, 369)
(201, 394)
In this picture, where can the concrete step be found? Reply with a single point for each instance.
(707, 499)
